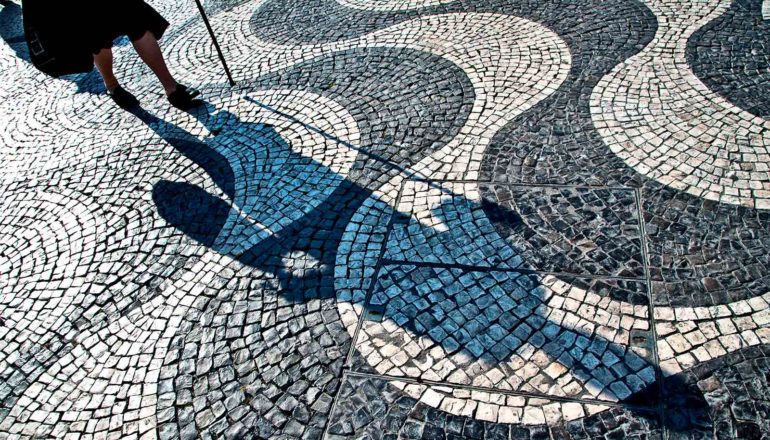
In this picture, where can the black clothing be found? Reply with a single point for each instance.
(123, 17)
(63, 35)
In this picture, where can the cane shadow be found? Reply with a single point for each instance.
(12, 32)
(488, 325)
(296, 245)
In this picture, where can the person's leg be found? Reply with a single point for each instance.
(178, 95)
(103, 62)
(149, 51)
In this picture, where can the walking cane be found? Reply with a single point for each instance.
(216, 44)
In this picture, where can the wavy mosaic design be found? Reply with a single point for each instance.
(656, 115)
(419, 218)
(729, 55)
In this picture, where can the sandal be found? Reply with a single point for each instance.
(123, 98)
(183, 97)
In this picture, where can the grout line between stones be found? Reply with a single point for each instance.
(473, 268)
(362, 317)
(522, 184)
(651, 310)
(375, 274)
(343, 379)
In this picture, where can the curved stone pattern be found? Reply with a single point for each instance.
(709, 400)
(391, 5)
(110, 304)
(731, 56)
(225, 258)
(146, 328)
(50, 243)
(581, 24)
(556, 142)
(688, 336)
(427, 100)
(656, 115)
(319, 21)
(447, 36)
(92, 317)
(370, 407)
(493, 329)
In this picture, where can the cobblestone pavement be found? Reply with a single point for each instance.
(427, 219)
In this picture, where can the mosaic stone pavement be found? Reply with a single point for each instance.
(433, 219)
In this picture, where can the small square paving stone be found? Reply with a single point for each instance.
(508, 331)
(558, 229)
(369, 407)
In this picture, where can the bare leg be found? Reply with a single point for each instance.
(103, 62)
(149, 51)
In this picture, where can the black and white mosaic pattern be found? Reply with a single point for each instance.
(409, 219)
(730, 56)
(373, 407)
(505, 330)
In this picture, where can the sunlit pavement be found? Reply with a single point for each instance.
(409, 219)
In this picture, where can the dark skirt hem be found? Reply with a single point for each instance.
(136, 18)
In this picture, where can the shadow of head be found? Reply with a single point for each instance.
(686, 412)
(273, 205)
(489, 317)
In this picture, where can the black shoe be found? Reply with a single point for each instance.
(183, 97)
(123, 98)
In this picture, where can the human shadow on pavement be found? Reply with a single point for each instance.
(11, 28)
(301, 255)
(310, 240)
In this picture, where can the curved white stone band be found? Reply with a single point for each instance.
(391, 5)
(655, 114)
(690, 335)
